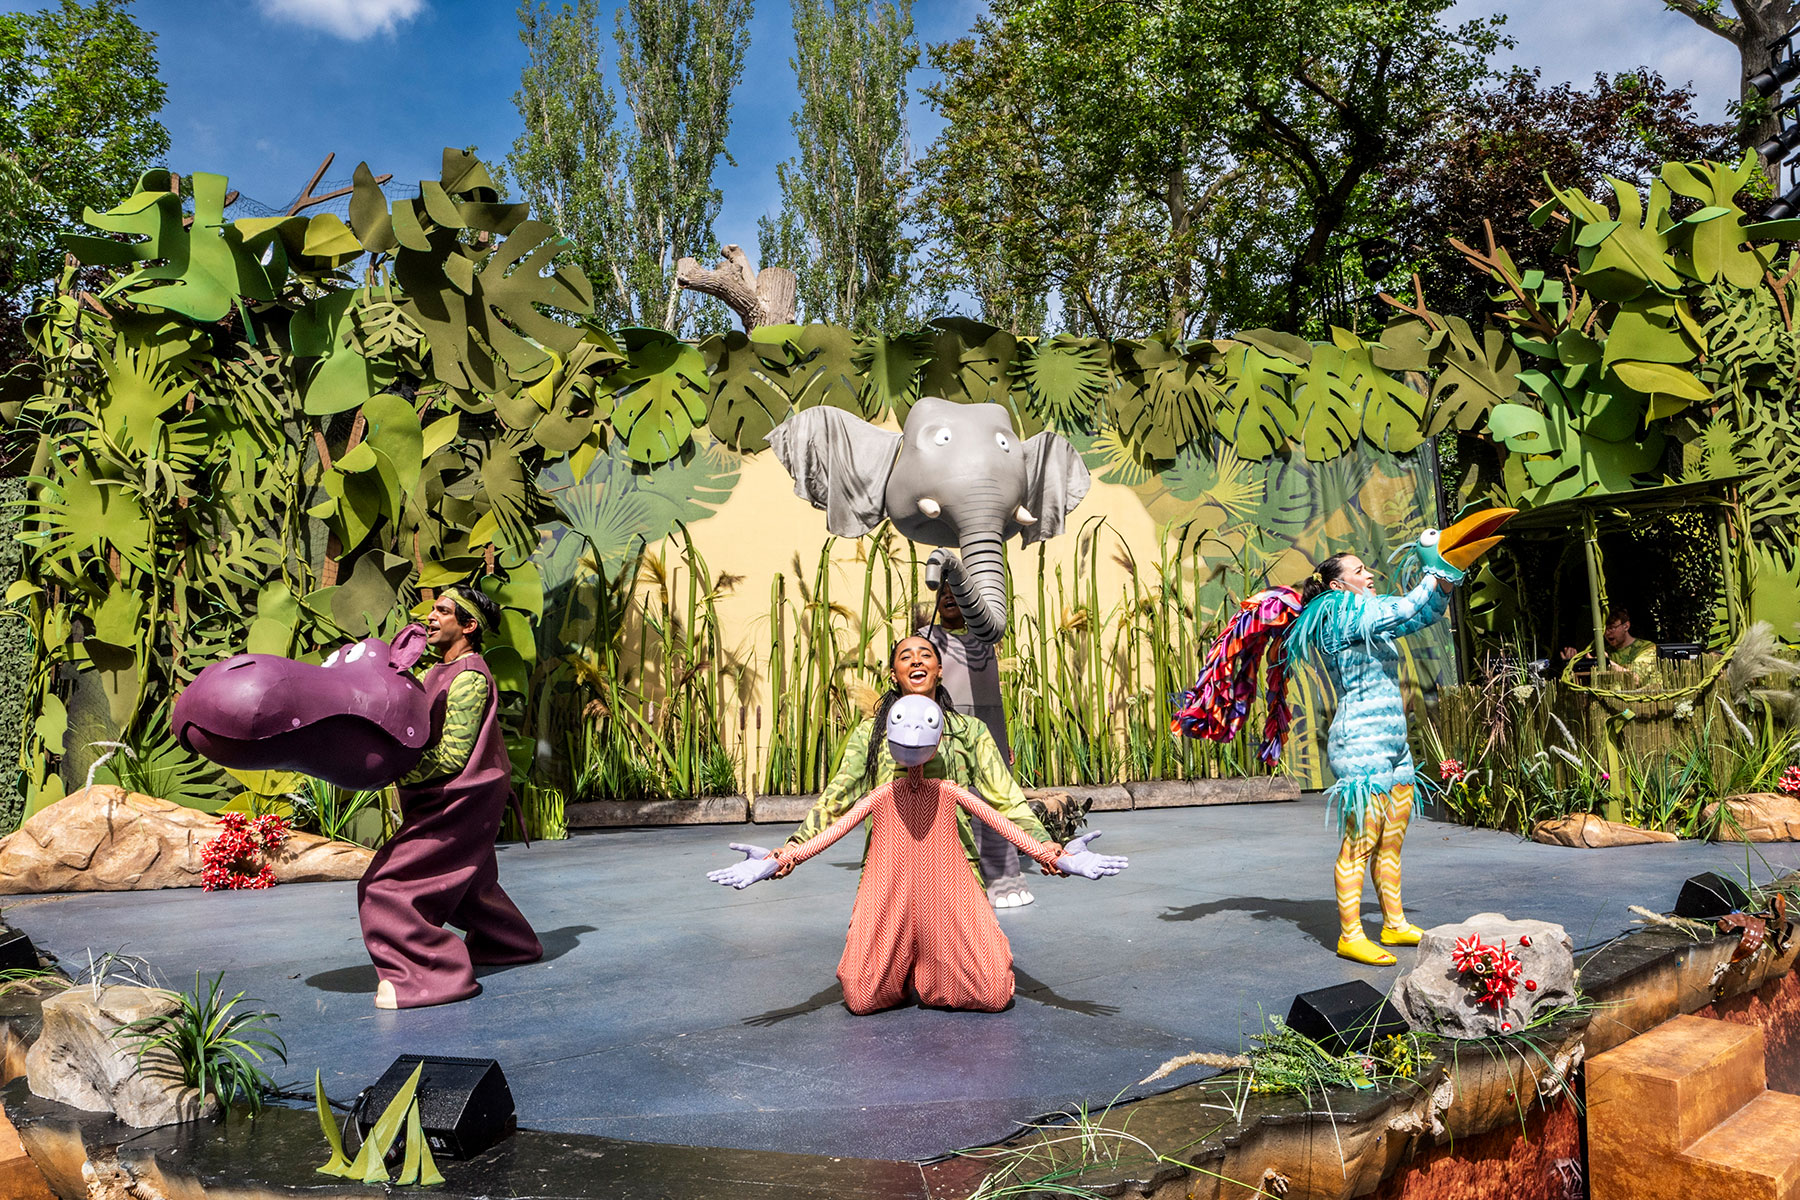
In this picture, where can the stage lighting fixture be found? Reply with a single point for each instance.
(16, 951)
(1786, 207)
(1788, 139)
(1347, 1017)
(1710, 895)
(464, 1103)
(1783, 66)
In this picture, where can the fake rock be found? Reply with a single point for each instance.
(78, 1061)
(106, 839)
(1438, 998)
(1758, 817)
(1586, 831)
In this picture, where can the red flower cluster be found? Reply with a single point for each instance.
(1790, 781)
(1493, 969)
(1451, 770)
(235, 859)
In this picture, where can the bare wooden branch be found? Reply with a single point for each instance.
(306, 198)
(764, 297)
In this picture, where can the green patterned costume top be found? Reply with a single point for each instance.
(967, 756)
(463, 710)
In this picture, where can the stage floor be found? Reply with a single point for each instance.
(672, 1010)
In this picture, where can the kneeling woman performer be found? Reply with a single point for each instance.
(922, 921)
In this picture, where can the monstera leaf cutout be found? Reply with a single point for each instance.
(1475, 373)
(1065, 377)
(1165, 396)
(827, 372)
(1569, 452)
(1622, 257)
(1255, 410)
(750, 373)
(659, 395)
(479, 308)
(890, 366)
(198, 268)
(1710, 242)
(971, 361)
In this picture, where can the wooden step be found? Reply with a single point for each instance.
(1754, 1154)
(1669, 1087)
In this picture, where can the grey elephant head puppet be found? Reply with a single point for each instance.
(955, 475)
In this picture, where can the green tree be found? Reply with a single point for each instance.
(1750, 27)
(1195, 164)
(679, 61)
(568, 161)
(840, 228)
(79, 94)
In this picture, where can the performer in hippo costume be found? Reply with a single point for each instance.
(1337, 616)
(922, 923)
(439, 868)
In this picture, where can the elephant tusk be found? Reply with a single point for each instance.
(931, 508)
(1024, 516)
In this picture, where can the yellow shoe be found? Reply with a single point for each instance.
(1362, 950)
(1406, 935)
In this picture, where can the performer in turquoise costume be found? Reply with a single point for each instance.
(1337, 617)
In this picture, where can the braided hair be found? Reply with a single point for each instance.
(941, 695)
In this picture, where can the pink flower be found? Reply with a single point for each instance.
(1451, 770)
(1790, 781)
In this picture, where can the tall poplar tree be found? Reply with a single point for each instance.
(633, 196)
(843, 197)
(567, 163)
(679, 61)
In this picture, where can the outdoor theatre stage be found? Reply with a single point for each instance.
(672, 1010)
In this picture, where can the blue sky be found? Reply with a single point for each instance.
(261, 90)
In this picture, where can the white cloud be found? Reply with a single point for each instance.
(1572, 41)
(352, 20)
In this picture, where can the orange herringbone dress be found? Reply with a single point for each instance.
(921, 919)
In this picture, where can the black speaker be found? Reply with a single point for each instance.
(16, 951)
(1347, 1017)
(464, 1103)
(1710, 895)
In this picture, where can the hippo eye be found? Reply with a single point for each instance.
(355, 652)
(1428, 538)
(333, 660)
(941, 437)
(1002, 441)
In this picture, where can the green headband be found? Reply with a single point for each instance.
(461, 592)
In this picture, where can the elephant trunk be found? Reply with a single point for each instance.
(978, 581)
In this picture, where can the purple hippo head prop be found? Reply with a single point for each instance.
(359, 719)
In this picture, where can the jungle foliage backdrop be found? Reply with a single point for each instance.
(273, 434)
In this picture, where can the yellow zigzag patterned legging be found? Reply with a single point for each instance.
(1376, 844)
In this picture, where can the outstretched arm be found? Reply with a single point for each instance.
(1074, 859)
(995, 781)
(756, 868)
(1398, 616)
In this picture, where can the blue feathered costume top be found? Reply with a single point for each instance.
(1354, 636)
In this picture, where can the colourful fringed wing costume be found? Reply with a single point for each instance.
(1354, 636)
(1219, 702)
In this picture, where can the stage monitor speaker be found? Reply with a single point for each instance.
(16, 951)
(1347, 1017)
(1709, 895)
(464, 1103)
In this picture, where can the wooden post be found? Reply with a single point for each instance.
(1728, 564)
(1591, 544)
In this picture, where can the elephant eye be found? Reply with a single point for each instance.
(941, 437)
(1004, 442)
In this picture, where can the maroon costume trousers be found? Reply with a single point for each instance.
(439, 869)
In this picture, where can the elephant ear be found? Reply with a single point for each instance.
(840, 463)
(1056, 481)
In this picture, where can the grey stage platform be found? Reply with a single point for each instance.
(672, 1010)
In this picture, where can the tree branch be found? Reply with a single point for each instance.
(764, 297)
(1707, 16)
